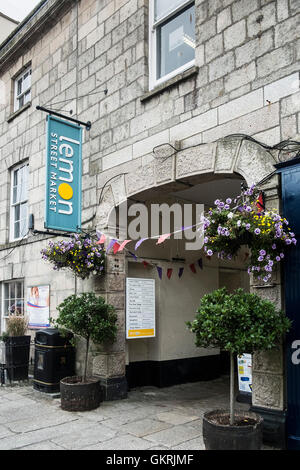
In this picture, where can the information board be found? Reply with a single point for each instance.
(245, 373)
(140, 308)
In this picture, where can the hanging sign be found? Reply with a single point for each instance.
(63, 175)
(140, 308)
(37, 306)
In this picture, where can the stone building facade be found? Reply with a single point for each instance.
(94, 58)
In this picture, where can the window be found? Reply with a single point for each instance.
(12, 300)
(19, 203)
(172, 38)
(22, 90)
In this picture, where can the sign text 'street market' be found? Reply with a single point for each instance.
(63, 175)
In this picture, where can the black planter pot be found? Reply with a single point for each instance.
(225, 437)
(17, 350)
(80, 396)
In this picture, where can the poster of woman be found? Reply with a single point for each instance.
(37, 306)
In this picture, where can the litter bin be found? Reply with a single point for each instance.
(54, 359)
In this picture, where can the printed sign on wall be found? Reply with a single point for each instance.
(140, 308)
(63, 175)
(245, 373)
(37, 306)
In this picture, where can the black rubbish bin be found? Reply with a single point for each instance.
(54, 359)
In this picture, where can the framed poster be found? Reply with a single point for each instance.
(38, 306)
(140, 308)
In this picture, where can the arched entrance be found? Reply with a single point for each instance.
(160, 175)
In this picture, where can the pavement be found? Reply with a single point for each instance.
(150, 418)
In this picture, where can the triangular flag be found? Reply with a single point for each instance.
(159, 270)
(133, 255)
(162, 238)
(145, 264)
(169, 273)
(180, 272)
(123, 244)
(260, 204)
(139, 243)
(116, 247)
(111, 244)
(193, 269)
(102, 240)
(200, 264)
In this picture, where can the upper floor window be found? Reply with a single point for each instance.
(19, 202)
(22, 91)
(172, 38)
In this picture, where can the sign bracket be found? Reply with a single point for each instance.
(87, 124)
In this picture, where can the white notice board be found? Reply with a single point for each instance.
(140, 308)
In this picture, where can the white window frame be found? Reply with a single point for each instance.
(153, 81)
(25, 90)
(20, 202)
(4, 314)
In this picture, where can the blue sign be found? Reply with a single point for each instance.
(63, 175)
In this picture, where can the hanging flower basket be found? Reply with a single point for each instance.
(80, 254)
(232, 224)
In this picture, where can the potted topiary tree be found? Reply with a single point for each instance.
(91, 318)
(237, 323)
(17, 347)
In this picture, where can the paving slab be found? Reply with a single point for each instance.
(126, 442)
(175, 435)
(173, 417)
(143, 427)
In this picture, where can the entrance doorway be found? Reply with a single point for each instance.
(172, 357)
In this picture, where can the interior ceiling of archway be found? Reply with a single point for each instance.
(203, 189)
(207, 192)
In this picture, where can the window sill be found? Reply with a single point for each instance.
(170, 83)
(19, 111)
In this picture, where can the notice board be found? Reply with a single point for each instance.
(245, 373)
(140, 308)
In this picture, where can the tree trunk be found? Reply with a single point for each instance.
(86, 358)
(231, 389)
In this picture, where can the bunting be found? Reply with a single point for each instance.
(118, 246)
(169, 273)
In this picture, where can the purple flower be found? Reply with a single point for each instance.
(217, 202)
(228, 200)
(278, 258)
(209, 252)
(257, 231)
(247, 226)
(262, 252)
(288, 241)
(248, 209)
(281, 255)
(260, 258)
(294, 241)
(226, 206)
(274, 246)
